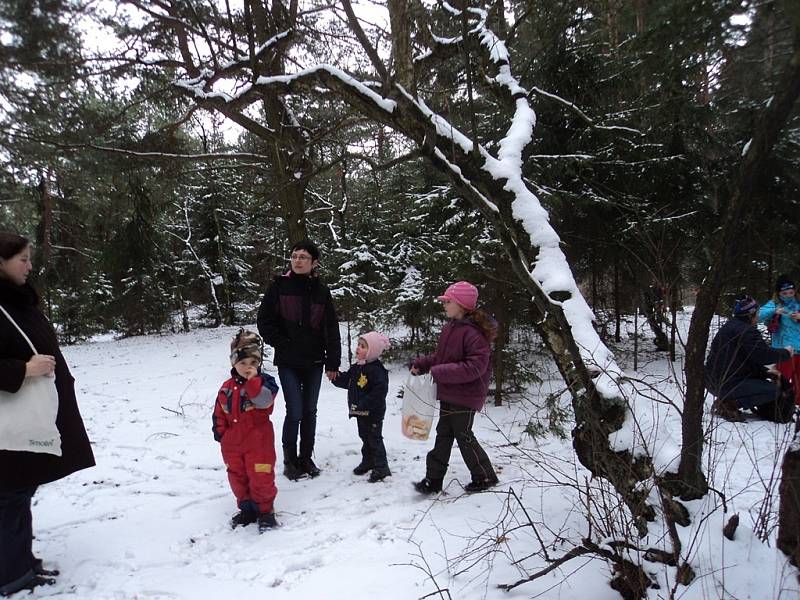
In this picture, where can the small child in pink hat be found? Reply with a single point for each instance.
(367, 383)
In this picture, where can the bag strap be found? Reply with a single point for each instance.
(22, 333)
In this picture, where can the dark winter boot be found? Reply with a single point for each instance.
(39, 569)
(291, 465)
(292, 470)
(777, 411)
(379, 474)
(36, 582)
(727, 409)
(428, 486)
(243, 518)
(362, 469)
(480, 485)
(266, 521)
(308, 467)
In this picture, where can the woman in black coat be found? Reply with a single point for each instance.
(22, 472)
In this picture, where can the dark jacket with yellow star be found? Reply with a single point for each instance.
(367, 386)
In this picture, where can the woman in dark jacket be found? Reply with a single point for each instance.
(461, 368)
(298, 320)
(22, 472)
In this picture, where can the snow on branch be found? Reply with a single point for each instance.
(550, 270)
(195, 86)
(206, 78)
(457, 170)
(383, 103)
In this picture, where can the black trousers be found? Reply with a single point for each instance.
(16, 540)
(373, 452)
(455, 425)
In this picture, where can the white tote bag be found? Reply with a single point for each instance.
(419, 406)
(28, 416)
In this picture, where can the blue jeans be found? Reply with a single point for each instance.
(16, 538)
(301, 392)
(754, 392)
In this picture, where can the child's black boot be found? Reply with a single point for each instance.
(248, 513)
(379, 474)
(266, 521)
(428, 486)
(363, 468)
(243, 518)
(482, 484)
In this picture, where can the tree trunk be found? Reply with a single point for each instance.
(45, 241)
(673, 326)
(617, 310)
(501, 315)
(227, 314)
(400, 19)
(653, 313)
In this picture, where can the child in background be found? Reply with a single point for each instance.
(367, 383)
(782, 316)
(244, 430)
(786, 334)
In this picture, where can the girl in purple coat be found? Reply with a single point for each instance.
(461, 368)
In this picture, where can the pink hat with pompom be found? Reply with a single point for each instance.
(462, 293)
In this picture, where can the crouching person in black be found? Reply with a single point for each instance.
(367, 384)
(736, 370)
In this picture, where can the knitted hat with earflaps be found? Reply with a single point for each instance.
(247, 344)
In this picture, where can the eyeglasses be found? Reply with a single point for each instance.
(301, 257)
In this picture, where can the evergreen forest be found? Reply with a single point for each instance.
(163, 155)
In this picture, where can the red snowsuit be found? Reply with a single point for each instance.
(243, 428)
(790, 369)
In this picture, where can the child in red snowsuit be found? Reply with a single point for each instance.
(244, 430)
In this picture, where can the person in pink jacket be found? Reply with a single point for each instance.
(461, 368)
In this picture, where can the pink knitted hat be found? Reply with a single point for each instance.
(462, 293)
(376, 343)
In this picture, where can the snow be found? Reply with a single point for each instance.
(151, 520)
(196, 85)
(364, 90)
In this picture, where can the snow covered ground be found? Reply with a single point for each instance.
(151, 520)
